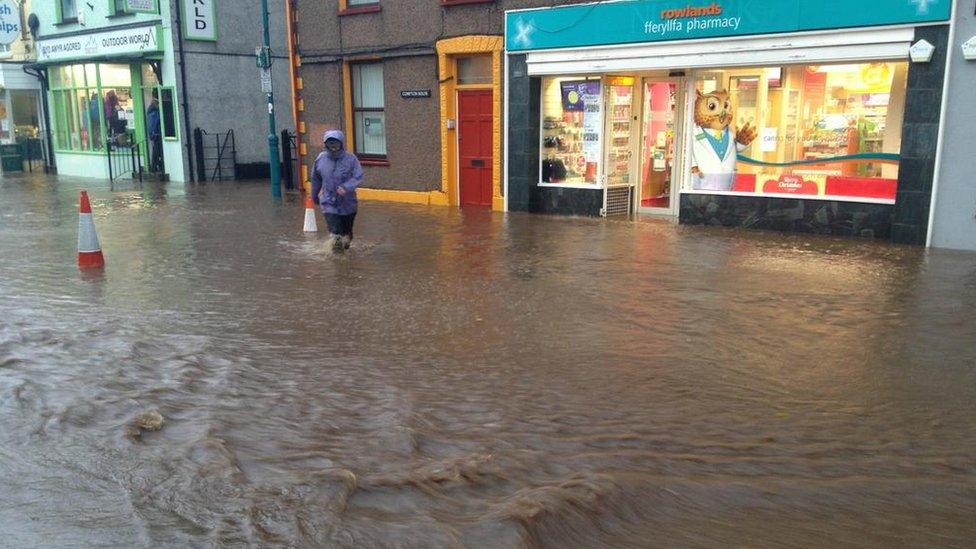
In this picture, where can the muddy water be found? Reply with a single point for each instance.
(473, 380)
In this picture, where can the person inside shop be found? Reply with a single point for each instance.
(335, 177)
(115, 124)
(155, 133)
(93, 113)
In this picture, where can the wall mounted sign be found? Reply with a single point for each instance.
(200, 20)
(137, 40)
(656, 20)
(140, 6)
(9, 22)
(414, 94)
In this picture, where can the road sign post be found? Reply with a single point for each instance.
(264, 62)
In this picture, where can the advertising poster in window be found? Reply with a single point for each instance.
(592, 125)
(716, 145)
(574, 92)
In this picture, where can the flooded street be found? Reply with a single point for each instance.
(471, 379)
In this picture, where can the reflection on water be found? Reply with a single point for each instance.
(471, 379)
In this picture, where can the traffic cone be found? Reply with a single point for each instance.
(310, 225)
(89, 250)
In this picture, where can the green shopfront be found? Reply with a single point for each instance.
(102, 88)
(795, 115)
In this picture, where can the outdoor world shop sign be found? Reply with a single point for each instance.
(100, 44)
(659, 20)
(200, 20)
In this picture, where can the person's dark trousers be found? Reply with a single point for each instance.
(156, 155)
(340, 224)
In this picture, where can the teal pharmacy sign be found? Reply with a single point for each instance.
(632, 21)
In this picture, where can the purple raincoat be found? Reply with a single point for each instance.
(332, 171)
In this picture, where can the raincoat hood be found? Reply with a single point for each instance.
(340, 137)
(335, 134)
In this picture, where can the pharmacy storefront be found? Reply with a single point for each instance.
(784, 114)
(105, 93)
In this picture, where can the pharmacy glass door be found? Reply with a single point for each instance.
(660, 127)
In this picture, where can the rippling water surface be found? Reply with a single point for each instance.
(469, 379)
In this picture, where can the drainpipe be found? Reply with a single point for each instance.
(40, 72)
(940, 144)
(293, 73)
(185, 103)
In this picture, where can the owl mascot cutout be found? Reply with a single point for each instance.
(715, 148)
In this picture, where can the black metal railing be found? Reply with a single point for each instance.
(216, 155)
(289, 158)
(35, 150)
(124, 158)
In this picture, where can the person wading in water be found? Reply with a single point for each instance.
(336, 176)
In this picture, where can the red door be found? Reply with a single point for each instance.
(474, 146)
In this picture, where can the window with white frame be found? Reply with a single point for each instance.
(369, 116)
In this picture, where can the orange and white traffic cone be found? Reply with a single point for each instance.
(89, 251)
(310, 225)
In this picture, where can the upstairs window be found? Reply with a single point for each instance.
(352, 7)
(68, 10)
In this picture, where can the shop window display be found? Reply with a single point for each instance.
(77, 108)
(572, 119)
(26, 114)
(91, 104)
(831, 131)
(620, 112)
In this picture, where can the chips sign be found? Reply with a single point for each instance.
(9, 22)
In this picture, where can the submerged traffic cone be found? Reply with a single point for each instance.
(89, 250)
(310, 225)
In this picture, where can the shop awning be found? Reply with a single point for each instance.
(818, 47)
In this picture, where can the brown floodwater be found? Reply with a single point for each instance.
(472, 379)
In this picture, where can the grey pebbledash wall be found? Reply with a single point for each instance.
(223, 81)
(954, 223)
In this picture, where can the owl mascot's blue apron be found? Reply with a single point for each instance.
(715, 158)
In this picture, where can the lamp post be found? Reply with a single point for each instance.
(264, 61)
